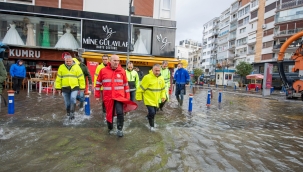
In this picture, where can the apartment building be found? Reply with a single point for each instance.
(210, 45)
(190, 51)
(98, 26)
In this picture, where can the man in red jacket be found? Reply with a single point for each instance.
(115, 93)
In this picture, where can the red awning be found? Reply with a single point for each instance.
(254, 76)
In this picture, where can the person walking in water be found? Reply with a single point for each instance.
(69, 81)
(115, 93)
(151, 90)
(133, 80)
(181, 78)
(165, 73)
(18, 73)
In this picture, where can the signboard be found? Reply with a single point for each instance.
(164, 42)
(35, 54)
(98, 35)
(92, 66)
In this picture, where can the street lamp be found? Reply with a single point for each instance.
(131, 11)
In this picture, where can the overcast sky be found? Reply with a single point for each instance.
(191, 15)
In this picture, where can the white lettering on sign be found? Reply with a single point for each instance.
(24, 53)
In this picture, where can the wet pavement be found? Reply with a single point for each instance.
(243, 133)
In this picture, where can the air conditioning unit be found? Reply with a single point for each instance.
(264, 26)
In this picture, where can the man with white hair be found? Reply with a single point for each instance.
(69, 81)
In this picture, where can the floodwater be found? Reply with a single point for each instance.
(242, 134)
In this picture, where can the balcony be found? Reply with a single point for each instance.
(231, 47)
(233, 28)
(251, 52)
(232, 37)
(214, 41)
(290, 4)
(233, 19)
(213, 48)
(290, 32)
(231, 56)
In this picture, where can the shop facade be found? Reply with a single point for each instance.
(39, 35)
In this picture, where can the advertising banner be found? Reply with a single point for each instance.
(92, 68)
(269, 70)
(164, 42)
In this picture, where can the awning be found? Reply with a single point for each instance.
(136, 60)
(254, 76)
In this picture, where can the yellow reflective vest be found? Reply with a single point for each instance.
(98, 69)
(152, 89)
(165, 73)
(72, 77)
(133, 80)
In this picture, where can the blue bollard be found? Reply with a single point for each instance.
(220, 97)
(246, 88)
(208, 85)
(216, 85)
(190, 103)
(271, 90)
(87, 104)
(257, 88)
(11, 102)
(208, 98)
(224, 87)
(235, 87)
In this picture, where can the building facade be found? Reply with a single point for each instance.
(45, 29)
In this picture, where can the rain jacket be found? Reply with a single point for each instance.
(165, 73)
(133, 80)
(98, 69)
(17, 70)
(181, 76)
(115, 87)
(152, 89)
(84, 70)
(3, 75)
(70, 78)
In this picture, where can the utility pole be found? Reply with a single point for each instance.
(131, 11)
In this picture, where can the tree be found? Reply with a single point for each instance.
(197, 73)
(243, 69)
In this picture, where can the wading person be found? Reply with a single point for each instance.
(181, 78)
(18, 73)
(151, 90)
(98, 69)
(86, 74)
(115, 93)
(165, 73)
(133, 80)
(69, 81)
(3, 73)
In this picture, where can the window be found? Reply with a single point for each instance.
(20, 1)
(254, 3)
(269, 19)
(254, 14)
(142, 37)
(246, 20)
(268, 32)
(267, 44)
(166, 7)
(242, 41)
(243, 30)
(270, 7)
(266, 57)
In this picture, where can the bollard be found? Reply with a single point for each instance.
(220, 97)
(87, 104)
(246, 88)
(235, 87)
(11, 102)
(224, 87)
(257, 88)
(190, 103)
(271, 90)
(216, 85)
(211, 93)
(208, 85)
(208, 99)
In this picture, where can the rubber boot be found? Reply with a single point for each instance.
(110, 127)
(178, 99)
(120, 127)
(72, 111)
(152, 124)
(81, 105)
(68, 110)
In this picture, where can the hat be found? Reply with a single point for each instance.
(66, 55)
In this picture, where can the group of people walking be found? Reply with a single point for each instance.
(117, 88)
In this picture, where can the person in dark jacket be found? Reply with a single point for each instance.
(18, 73)
(3, 73)
(86, 73)
(181, 78)
(140, 73)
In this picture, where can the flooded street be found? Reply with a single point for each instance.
(243, 134)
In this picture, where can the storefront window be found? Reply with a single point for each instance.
(39, 31)
(141, 39)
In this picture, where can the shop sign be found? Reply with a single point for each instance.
(25, 53)
(35, 54)
(97, 35)
(163, 42)
(136, 63)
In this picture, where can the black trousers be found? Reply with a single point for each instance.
(118, 109)
(17, 82)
